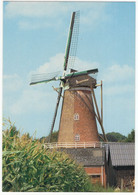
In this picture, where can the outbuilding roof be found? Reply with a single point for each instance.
(122, 154)
(87, 156)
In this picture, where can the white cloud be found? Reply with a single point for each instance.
(117, 73)
(95, 13)
(118, 80)
(31, 100)
(20, 98)
(56, 64)
(29, 25)
(37, 9)
(12, 82)
(28, 9)
(91, 13)
(119, 89)
(52, 9)
(85, 65)
(38, 24)
(36, 99)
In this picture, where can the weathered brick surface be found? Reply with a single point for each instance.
(66, 120)
(78, 101)
(95, 171)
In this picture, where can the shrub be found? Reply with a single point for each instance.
(28, 167)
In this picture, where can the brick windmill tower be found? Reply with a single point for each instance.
(78, 115)
(78, 122)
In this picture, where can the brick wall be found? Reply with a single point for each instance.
(80, 102)
(93, 172)
(66, 120)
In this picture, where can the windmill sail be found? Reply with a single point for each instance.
(55, 114)
(74, 40)
(70, 54)
(44, 77)
(86, 72)
(67, 52)
(81, 81)
(71, 47)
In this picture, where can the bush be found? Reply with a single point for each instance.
(28, 167)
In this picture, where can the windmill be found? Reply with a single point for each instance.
(78, 116)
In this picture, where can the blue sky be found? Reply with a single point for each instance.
(34, 40)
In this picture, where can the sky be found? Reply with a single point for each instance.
(34, 41)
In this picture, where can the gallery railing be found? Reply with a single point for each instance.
(73, 145)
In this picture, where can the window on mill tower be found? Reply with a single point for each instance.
(76, 116)
(77, 137)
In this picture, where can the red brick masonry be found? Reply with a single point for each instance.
(78, 101)
(97, 174)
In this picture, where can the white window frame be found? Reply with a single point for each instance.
(77, 137)
(76, 116)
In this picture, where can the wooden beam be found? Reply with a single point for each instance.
(99, 120)
(101, 137)
(95, 102)
(98, 115)
(56, 89)
(102, 102)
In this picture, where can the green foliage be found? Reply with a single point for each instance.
(112, 137)
(115, 137)
(131, 136)
(28, 167)
(54, 137)
(99, 188)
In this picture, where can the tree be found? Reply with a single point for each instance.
(131, 136)
(54, 137)
(115, 137)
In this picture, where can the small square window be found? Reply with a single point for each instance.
(77, 137)
(76, 116)
(95, 178)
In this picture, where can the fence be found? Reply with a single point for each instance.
(74, 145)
